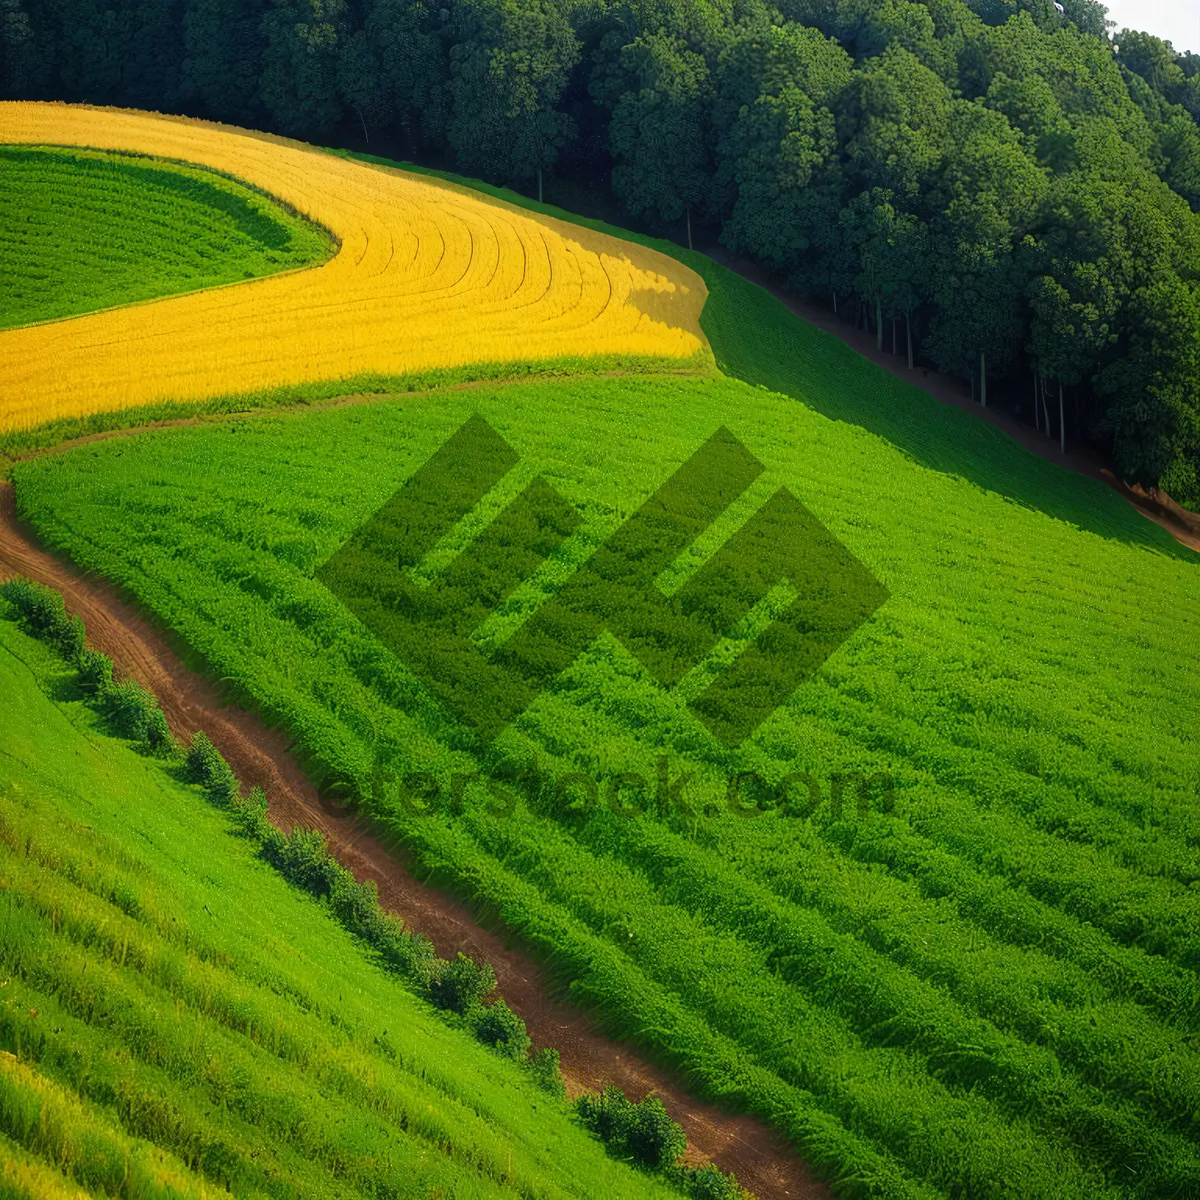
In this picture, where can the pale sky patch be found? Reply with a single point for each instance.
(1175, 21)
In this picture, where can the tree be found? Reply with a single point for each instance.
(393, 71)
(299, 81)
(508, 71)
(658, 131)
(22, 68)
(223, 48)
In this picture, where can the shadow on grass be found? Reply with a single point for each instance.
(758, 340)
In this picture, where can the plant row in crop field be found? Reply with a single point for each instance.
(84, 231)
(988, 984)
(426, 276)
(147, 1045)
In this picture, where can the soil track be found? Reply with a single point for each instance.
(762, 1161)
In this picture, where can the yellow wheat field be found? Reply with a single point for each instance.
(427, 275)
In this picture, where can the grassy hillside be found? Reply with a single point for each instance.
(176, 1020)
(992, 987)
(82, 231)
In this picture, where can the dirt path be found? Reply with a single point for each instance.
(744, 1145)
(1182, 525)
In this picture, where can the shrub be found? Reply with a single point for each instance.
(205, 765)
(44, 615)
(303, 858)
(643, 1132)
(459, 984)
(95, 673)
(497, 1025)
(251, 814)
(707, 1183)
(356, 906)
(544, 1066)
(135, 714)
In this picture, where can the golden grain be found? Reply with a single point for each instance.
(427, 275)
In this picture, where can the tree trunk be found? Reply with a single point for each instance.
(366, 140)
(689, 225)
(539, 185)
(835, 304)
(893, 337)
(1062, 422)
(982, 380)
(908, 330)
(1037, 416)
(879, 324)
(1045, 406)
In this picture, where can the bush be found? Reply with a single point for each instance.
(303, 858)
(544, 1066)
(498, 1026)
(205, 765)
(44, 615)
(135, 714)
(356, 906)
(643, 1132)
(707, 1183)
(459, 984)
(95, 673)
(251, 813)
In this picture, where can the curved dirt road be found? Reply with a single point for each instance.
(760, 1159)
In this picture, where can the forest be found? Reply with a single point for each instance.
(1005, 192)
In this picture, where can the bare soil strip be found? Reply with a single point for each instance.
(761, 1160)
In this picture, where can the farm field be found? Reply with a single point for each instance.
(185, 1022)
(85, 231)
(991, 987)
(426, 277)
(987, 986)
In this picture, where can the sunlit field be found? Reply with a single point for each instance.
(426, 276)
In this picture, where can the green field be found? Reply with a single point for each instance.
(990, 990)
(183, 1020)
(85, 230)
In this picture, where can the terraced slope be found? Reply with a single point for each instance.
(83, 231)
(177, 1021)
(427, 276)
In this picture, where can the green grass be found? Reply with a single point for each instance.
(176, 1020)
(990, 991)
(83, 230)
(996, 982)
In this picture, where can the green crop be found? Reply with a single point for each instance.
(85, 230)
(176, 1019)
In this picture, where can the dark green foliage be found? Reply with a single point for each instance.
(544, 1066)
(707, 1183)
(460, 983)
(497, 1025)
(44, 615)
(95, 672)
(204, 765)
(643, 1132)
(135, 714)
